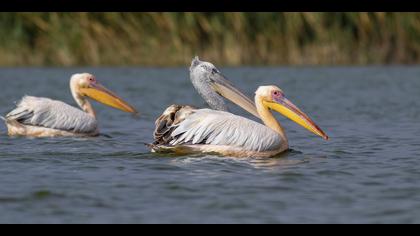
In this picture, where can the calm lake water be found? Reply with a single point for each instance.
(369, 172)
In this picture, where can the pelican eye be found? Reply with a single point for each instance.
(214, 71)
(277, 94)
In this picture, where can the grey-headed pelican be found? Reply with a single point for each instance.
(213, 87)
(43, 117)
(184, 129)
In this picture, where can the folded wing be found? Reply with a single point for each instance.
(44, 112)
(211, 127)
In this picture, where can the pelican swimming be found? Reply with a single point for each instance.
(43, 117)
(184, 129)
(213, 87)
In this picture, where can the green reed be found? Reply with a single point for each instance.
(172, 39)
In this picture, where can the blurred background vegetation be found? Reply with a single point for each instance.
(172, 39)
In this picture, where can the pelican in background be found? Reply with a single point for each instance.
(213, 87)
(43, 117)
(184, 129)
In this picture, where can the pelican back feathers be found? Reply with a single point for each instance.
(52, 114)
(180, 126)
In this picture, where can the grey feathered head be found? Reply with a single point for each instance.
(214, 87)
(203, 67)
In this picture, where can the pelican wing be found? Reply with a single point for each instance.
(205, 126)
(52, 114)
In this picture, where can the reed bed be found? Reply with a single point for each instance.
(172, 39)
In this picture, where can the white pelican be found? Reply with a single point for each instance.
(43, 117)
(209, 131)
(184, 129)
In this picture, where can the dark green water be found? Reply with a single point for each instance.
(369, 172)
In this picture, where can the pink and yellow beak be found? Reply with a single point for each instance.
(288, 109)
(103, 95)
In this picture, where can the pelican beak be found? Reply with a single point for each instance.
(226, 89)
(103, 95)
(288, 109)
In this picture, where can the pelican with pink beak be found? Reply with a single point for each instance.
(183, 129)
(44, 117)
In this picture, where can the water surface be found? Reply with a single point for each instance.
(367, 173)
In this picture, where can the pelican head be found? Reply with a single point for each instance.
(213, 86)
(85, 85)
(272, 97)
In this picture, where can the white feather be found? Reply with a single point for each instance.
(223, 128)
(52, 114)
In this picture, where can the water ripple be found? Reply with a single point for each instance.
(366, 173)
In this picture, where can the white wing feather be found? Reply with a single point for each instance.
(205, 126)
(52, 114)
